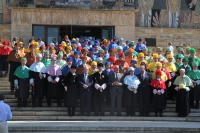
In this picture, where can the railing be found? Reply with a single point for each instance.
(77, 4)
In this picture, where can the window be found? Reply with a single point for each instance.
(38, 31)
(151, 41)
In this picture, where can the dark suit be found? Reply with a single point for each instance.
(116, 92)
(85, 94)
(144, 93)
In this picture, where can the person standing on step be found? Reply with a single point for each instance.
(30, 56)
(37, 76)
(54, 82)
(131, 83)
(144, 91)
(85, 90)
(5, 114)
(22, 83)
(71, 82)
(195, 91)
(159, 87)
(100, 81)
(4, 53)
(14, 59)
(115, 81)
(182, 86)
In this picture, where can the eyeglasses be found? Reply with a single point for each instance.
(178, 58)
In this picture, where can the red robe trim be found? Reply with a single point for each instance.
(5, 51)
(158, 84)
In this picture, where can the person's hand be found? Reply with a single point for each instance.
(159, 93)
(100, 88)
(195, 83)
(133, 89)
(65, 88)
(16, 86)
(85, 86)
(32, 84)
(115, 83)
(176, 88)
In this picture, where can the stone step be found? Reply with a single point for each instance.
(132, 125)
(96, 118)
(64, 113)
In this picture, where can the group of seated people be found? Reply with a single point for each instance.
(102, 74)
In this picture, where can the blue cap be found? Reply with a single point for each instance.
(107, 63)
(69, 59)
(105, 48)
(96, 41)
(73, 42)
(140, 39)
(133, 61)
(89, 43)
(128, 41)
(115, 37)
(76, 52)
(86, 40)
(96, 44)
(92, 49)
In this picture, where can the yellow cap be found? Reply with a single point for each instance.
(69, 47)
(64, 44)
(158, 64)
(155, 56)
(170, 56)
(94, 63)
(140, 55)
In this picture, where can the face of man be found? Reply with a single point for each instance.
(53, 62)
(194, 67)
(116, 69)
(94, 67)
(38, 59)
(131, 72)
(85, 70)
(100, 69)
(101, 55)
(182, 72)
(69, 63)
(155, 59)
(158, 76)
(23, 63)
(76, 56)
(142, 68)
(170, 60)
(73, 70)
(84, 61)
(158, 68)
(185, 63)
(192, 54)
(187, 52)
(46, 56)
(107, 66)
(60, 57)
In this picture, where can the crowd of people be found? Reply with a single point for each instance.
(111, 72)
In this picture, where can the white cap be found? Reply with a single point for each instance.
(39, 55)
(51, 44)
(119, 47)
(131, 69)
(99, 59)
(121, 39)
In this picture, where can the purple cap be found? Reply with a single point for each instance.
(53, 58)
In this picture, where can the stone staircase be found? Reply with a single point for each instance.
(55, 113)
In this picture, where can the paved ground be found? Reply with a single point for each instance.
(103, 126)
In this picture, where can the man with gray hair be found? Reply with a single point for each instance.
(5, 114)
(171, 47)
(115, 81)
(183, 84)
(121, 42)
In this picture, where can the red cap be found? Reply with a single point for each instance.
(111, 59)
(5, 42)
(59, 45)
(79, 48)
(158, 72)
(121, 54)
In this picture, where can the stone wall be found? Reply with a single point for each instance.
(22, 20)
(5, 31)
(178, 36)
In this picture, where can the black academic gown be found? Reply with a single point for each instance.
(53, 89)
(182, 103)
(38, 88)
(99, 97)
(23, 88)
(71, 95)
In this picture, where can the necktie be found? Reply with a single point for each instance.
(85, 78)
(142, 76)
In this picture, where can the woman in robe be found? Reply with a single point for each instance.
(131, 83)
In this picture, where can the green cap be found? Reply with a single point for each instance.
(159, 49)
(168, 49)
(180, 49)
(179, 56)
(188, 48)
(60, 54)
(185, 59)
(192, 50)
(101, 51)
(23, 59)
(131, 44)
(149, 50)
(46, 52)
(194, 63)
